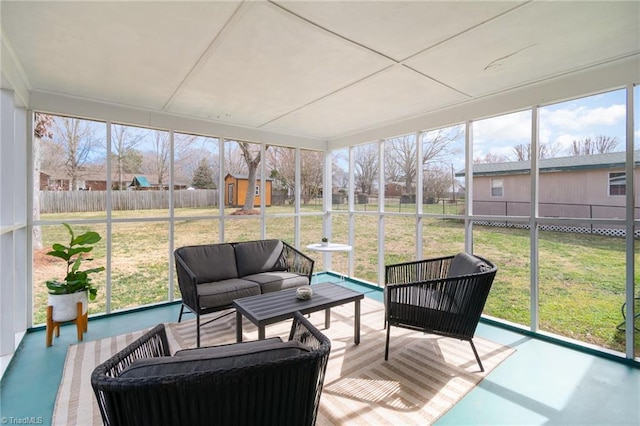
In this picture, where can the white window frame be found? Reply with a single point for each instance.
(622, 185)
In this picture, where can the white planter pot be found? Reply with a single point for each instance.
(65, 305)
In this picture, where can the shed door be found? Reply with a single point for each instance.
(230, 194)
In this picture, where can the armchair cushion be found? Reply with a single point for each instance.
(466, 264)
(213, 359)
(259, 256)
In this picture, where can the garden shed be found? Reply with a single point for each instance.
(236, 190)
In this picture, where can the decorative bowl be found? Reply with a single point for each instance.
(304, 292)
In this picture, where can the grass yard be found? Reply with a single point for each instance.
(581, 278)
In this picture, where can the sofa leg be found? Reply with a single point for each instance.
(181, 311)
(386, 347)
(197, 330)
(476, 354)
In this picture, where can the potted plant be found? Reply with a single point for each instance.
(76, 286)
(325, 241)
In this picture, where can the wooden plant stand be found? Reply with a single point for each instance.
(81, 321)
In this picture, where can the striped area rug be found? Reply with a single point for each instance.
(424, 377)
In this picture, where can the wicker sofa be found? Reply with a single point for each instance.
(212, 276)
(265, 382)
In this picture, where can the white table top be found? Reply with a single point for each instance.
(329, 247)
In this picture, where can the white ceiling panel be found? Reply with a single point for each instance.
(398, 29)
(269, 62)
(134, 53)
(393, 94)
(541, 40)
(322, 69)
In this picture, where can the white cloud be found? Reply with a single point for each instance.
(515, 128)
(583, 117)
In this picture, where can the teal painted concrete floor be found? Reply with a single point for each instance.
(540, 384)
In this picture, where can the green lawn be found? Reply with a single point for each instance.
(581, 279)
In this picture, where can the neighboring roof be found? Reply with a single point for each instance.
(141, 181)
(609, 160)
(240, 176)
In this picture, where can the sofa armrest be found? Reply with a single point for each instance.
(152, 344)
(187, 282)
(297, 261)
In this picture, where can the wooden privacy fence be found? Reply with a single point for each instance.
(93, 201)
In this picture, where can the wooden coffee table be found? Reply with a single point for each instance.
(269, 308)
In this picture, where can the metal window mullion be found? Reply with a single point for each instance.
(534, 284)
(381, 201)
(172, 187)
(629, 225)
(296, 197)
(263, 192)
(419, 193)
(468, 181)
(109, 229)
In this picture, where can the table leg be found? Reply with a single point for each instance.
(356, 325)
(327, 318)
(261, 332)
(238, 327)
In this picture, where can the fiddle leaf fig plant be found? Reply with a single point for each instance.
(74, 254)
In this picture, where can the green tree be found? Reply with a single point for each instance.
(203, 175)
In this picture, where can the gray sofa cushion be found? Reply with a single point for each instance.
(278, 280)
(466, 264)
(210, 262)
(211, 360)
(254, 257)
(221, 293)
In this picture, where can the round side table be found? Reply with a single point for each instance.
(331, 248)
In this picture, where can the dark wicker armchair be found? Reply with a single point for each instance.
(280, 391)
(443, 296)
(212, 276)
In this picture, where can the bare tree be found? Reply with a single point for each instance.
(77, 140)
(491, 158)
(159, 157)
(125, 140)
(522, 152)
(437, 181)
(41, 129)
(251, 154)
(233, 158)
(366, 167)
(311, 170)
(401, 161)
(601, 144)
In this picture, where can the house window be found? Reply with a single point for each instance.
(257, 191)
(496, 188)
(617, 183)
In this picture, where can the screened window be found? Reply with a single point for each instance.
(617, 183)
(497, 187)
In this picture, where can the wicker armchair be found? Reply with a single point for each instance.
(281, 391)
(443, 296)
